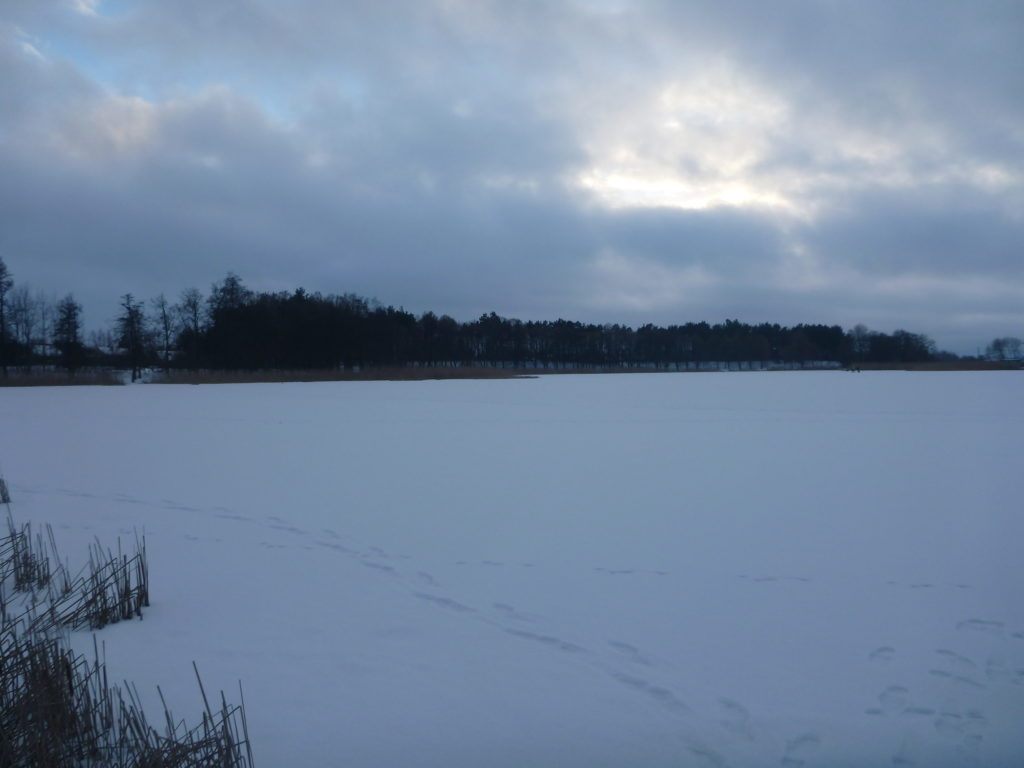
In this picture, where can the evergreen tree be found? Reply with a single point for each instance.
(131, 334)
(67, 333)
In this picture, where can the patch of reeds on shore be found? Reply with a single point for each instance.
(397, 373)
(48, 377)
(58, 708)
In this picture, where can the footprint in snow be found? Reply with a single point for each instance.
(957, 661)
(509, 611)
(233, 516)
(982, 625)
(445, 602)
(663, 696)
(882, 654)
(950, 725)
(919, 711)
(631, 652)
(893, 699)
(737, 719)
(377, 566)
(799, 749)
(707, 756)
(289, 529)
(997, 672)
(333, 545)
(548, 640)
(903, 757)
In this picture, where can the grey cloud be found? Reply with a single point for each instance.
(427, 153)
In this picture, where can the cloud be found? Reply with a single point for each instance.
(636, 162)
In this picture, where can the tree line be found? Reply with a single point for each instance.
(235, 328)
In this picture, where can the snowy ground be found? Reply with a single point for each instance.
(633, 570)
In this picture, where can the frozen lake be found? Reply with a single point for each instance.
(816, 568)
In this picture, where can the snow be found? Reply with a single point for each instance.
(742, 569)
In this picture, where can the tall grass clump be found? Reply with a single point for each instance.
(58, 709)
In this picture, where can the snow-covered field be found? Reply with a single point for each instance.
(634, 570)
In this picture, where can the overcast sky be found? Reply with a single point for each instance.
(602, 160)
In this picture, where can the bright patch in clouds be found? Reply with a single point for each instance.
(692, 144)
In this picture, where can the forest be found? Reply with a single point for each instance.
(235, 328)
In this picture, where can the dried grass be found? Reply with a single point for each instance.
(368, 374)
(49, 378)
(57, 708)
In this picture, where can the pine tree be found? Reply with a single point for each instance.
(131, 333)
(67, 333)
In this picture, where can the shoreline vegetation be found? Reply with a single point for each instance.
(114, 377)
(234, 333)
(58, 707)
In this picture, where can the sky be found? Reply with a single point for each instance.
(598, 160)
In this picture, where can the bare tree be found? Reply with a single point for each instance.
(190, 310)
(1005, 348)
(6, 283)
(23, 318)
(190, 323)
(103, 340)
(165, 326)
(46, 307)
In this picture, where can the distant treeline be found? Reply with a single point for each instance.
(234, 328)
